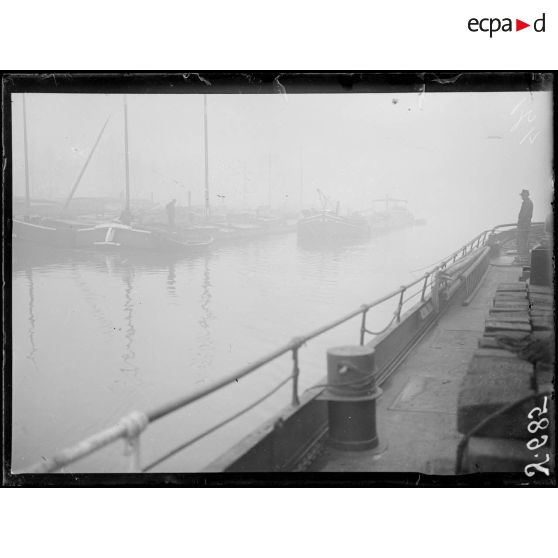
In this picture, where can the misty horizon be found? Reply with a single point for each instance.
(431, 149)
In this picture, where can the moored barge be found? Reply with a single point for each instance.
(450, 385)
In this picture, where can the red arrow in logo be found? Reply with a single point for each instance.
(519, 25)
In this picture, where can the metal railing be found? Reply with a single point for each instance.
(130, 427)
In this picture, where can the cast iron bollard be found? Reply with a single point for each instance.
(351, 394)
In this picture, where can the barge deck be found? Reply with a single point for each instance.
(417, 413)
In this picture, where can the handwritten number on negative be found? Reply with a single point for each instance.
(529, 472)
(540, 411)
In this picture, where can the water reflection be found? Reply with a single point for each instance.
(171, 280)
(31, 308)
(130, 331)
(206, 297)
(206, 354)
(135, 329)
(89, 296)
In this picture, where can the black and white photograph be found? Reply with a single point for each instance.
(309, 275)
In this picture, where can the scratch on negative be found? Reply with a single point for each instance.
(279, 87)
(201, 78)
(447, 81)
(422, 93)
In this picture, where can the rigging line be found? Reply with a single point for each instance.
(216, 427)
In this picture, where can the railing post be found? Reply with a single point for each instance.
(426, 275)
(296, 372)
(400, 305)
(133, 452)
(134, 424)
(363, 325)
(436, 288)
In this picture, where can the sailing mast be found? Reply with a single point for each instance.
(207, 206)
(127, 206)
(27, 195)
(301, 179)
(78, 180)
(269, 179)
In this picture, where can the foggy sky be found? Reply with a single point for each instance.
(454, 156)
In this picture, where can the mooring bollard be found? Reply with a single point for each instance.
(351, 394)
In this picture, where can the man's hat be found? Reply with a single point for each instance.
(524, 192)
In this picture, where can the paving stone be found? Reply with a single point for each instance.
(542, 324)
(492, 325)
(542, 315)
(516, 295)
(540, 306)
(543, 312)
(506, 333)
(519, 311)
(517, 305)
(495, 352)
(517, 286)
(518, 317)
(542, 298)
(511, 296)
(542, 289)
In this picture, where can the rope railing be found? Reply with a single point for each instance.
(131, 427)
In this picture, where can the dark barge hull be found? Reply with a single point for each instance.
(290, 441)
(62, 237)
(430, 349)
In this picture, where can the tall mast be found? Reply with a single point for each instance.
(76, 184)
(25, 154)
(207, 207)
(301, 179)
(269, 179)
(127, 206)
(244, 184)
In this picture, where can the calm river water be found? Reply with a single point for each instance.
(96, 336)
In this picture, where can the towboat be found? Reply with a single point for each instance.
(327, 227)
(395, 215)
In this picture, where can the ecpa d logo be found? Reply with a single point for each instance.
(492, 25)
